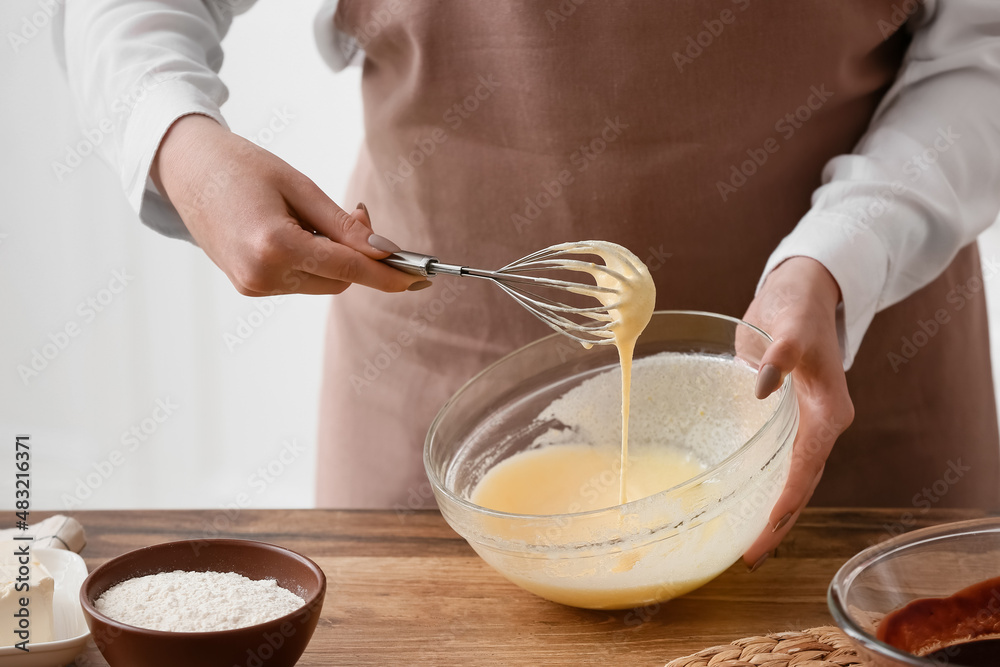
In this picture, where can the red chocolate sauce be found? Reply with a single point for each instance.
(963, 629)
(983, 653)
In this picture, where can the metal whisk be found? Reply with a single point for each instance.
(589, 325)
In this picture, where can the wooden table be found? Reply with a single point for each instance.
(405, 589)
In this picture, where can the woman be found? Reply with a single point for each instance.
(844, 148)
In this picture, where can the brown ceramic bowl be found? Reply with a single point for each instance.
(277, 643)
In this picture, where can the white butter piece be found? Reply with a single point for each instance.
(39, 599)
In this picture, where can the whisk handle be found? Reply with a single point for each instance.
(417, 264)
(410, 262)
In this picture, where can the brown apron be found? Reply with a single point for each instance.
(497, 128)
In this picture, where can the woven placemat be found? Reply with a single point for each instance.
(818, 647)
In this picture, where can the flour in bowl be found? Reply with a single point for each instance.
(182, 601)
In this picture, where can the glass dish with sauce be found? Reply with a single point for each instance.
(924, 598)
(523, 461)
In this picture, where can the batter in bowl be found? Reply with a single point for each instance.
(690, 412)
(630, 303)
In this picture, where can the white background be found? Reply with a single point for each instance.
(162, 337)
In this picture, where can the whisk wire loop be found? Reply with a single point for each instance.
(587, 324)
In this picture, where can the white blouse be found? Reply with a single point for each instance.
(922, 183)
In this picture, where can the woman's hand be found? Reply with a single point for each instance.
(797, 306)
(254, 216)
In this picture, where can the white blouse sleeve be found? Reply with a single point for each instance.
(924, 180)
(337, 49)
(136, 66)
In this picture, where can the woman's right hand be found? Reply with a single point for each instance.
(254, 216)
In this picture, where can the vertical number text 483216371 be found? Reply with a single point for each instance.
(22, 541)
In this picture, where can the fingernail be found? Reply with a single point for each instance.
(768, 379)
(781, 522)
(419, 285)
(361, 205)
(760, 561)
(382, 244)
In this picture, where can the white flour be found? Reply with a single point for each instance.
(196, 601)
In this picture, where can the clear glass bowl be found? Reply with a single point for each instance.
(645, 551)
(933, 562)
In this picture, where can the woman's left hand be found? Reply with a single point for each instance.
(797, 307)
